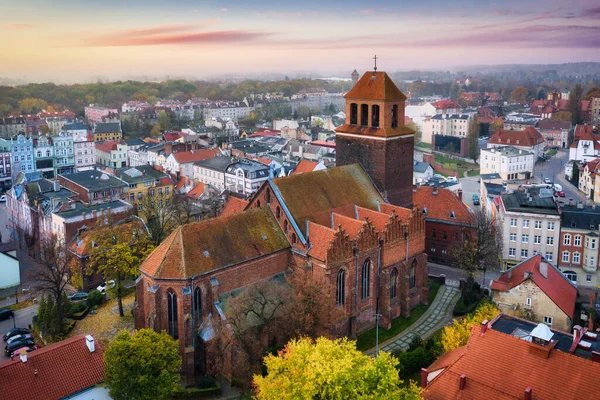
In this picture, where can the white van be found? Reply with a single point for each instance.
(557, 188)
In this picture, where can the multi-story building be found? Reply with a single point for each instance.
(95, 114)
(43, 154)
(579, 244)
(57, 120)
(587, 179)
(145, 181)
(182, 162)
(528, 139)
(233, 111)
(93, 187)
(520, 121)
(595, 110)
(449, 222)
(138, 156)
(134, 106)
(36, 126)
(586, 143)
(446, 124)
(22, 154)
(530, 225)
(107, 131)
(84, 150)
(245, 176)
(212, 171)
(64, 162)
(5, 163)
(555, 132)
(509, 162)
(76, 129)
(111, 154)
(12, 126)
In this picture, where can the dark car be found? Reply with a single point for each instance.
(6, 314)
(15, 332)
(10, 348)
(28, 349)
(475, 200)
(78, 296)
(16, 338)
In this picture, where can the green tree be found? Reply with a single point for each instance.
(32, 105)
(541, 94)
(574, 99)
(142, 366)
(457, 334)
(156, 131)
(453, 93)
(164, 121)
(330, 369)
(118, 251)
(5, 110)
(473, 139)
(519, 95)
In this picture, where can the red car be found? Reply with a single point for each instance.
(560, 194)
(27, 348)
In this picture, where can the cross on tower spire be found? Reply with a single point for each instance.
(375, 58)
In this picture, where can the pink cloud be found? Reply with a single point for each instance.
(367, 12)
(195, 38)
(17, 27)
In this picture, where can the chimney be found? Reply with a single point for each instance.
(460, 194)
(424, 375)
(23, 355)
(528, 391)
(463, 381)
(56, 186)
(544, 269)
(89, 341)
(595, 356)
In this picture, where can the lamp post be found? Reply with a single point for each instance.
(377, 316)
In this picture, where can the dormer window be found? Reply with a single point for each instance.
(424, 210)
(452, 215)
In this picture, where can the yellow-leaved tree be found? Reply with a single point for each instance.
(330, 369)
(457, 334)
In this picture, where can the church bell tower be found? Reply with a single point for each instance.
(374, 136)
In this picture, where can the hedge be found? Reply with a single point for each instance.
(195, 393)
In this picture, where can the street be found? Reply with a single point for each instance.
(457, 274)
(23, 318)
(555, 170)
(4, 230)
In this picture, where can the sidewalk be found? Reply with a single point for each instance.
(457, 274)
(434, 319)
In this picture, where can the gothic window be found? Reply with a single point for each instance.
(395, 116)
(340, 288)
(257, 203)
(375, 116)
(268, 195)
(353, 114)
(285, 226)
(197, 304)
(278, 212)
(411, 276)
(172, 314)
(393, 280)
(294, 240)
(366, 278)
(364, 114)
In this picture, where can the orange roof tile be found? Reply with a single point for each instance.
(234, 205)
(440, 203)
(447, 359)
(320, 238)
(501, 366)
(202, 247)
(375, 86)
(107, 146)
(528, 137)
(305, 166)
(184, 157)
(403, 213)
(556, 286)
(378, 219)
(63, 369)
(350, 225)
(197, 191)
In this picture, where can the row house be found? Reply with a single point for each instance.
(586, 143)
(530, 225)
(5, 163)
(579, 244)
(233, 111)
(111, 154)
(95, 114)
(144, 181)
(57, 120)
(64, 154)
(107, 131)
(138, 156)
(93, 187)
(36, 126)
(84, 151)
(76, 128)
(211, 171)
(595, 110)
(22, 154)
(587, 179)
(528, 139)
(555, 132)
(520, 121)
(181, 163)
(12, 126)
(449, 222)
(43, 151)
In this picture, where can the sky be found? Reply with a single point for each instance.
(79, 40)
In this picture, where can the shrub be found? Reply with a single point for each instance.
(76, 308)
(204, 382)
(412, 361)
(94, 298)
(196, 393)
(414, 343)
(80, 314)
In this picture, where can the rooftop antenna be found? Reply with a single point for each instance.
(375, 58)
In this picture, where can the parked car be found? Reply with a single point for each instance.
(557, 188)
(3, 198)
(541, 159)
(548, 181)
(451, 179)
(28, 349)
(19, 337)
(102, 287)
(438, 176)
(6, 314)
(10, 348)
(560, 193)
(476, 200)
(78, 296)
(14, 332)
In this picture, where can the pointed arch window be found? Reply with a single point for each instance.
(353, 114)
(257, 203)
(375, 116)
(395, 116)
(340, 288)
(285, 226)
(412, 282)
(393, 282)
(364, 114)
(268, 195)
(197, 304)
(172, 314)
(366, 278)
(278, 212)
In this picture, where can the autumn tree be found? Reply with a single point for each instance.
(117, 252)
(519, 95)
(593, 92)
(164, 121)
(457, 334)
(32, 105)
(417, 130)
(497, 125)
(156, 131)
(562, 116)
(142, 366)
(574, 99)
(473, 139)
(330, 369)
(5, 110)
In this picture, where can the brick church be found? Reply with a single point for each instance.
(352, 224)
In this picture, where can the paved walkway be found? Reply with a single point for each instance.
(434, 319)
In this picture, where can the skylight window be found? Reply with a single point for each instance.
(206, 253)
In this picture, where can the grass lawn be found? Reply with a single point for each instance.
(423, 145)
(551, 153)
(458, 166)
(366, 340)
(474, 172)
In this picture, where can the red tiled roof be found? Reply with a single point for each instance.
(264, 133)
(553, 125)
(375, 86)
(197, 191)
(556, 286)
(440, 203)
(184, 157)
(234, 205)
(528, 137)
(320, 238)
(447, 359)
(445, 104)
(172, 136)
(151, 140)
(498, 366)
(378, 219)
(403, 213)
(63, 369)
(323, 143)
(180, 184)
(585, 132)
(350, 225)
(305, 166)
(585, 105)
(107, 146)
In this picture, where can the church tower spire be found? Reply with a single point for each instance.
(374, 136)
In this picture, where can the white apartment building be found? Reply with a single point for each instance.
(232, 111)
(245, 176)
(137, 157)
(445, 124)
(212, 171)
(530, 226)
(84, 148)
(111, 154)
(509, 162)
